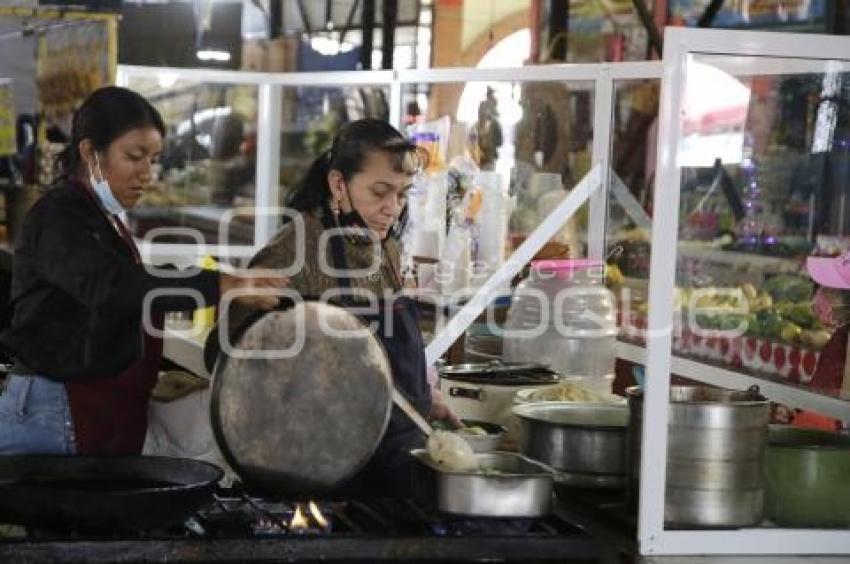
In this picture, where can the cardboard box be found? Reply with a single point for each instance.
(270, 55)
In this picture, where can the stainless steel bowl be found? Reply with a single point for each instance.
(508, 485)
(585, 443)
(483, 443)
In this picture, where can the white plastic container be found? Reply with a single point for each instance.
(493, 224)
(563, 315)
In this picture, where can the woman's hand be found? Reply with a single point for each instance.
(254, 290)
(442, 412)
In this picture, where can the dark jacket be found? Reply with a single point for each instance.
(78, 293)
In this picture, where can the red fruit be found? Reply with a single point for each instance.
(764, 351)
(795, 357)
(750, 348)
(810, 362)
(779, 357)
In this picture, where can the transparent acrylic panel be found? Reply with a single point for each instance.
(502, 156)
(311, 117)
(208, 164)
(764, 155)
(629, 222)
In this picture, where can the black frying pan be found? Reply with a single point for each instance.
(94, 493)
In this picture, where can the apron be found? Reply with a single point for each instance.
(110, 415)
(388, 472)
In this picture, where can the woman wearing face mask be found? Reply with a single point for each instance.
(360, 184)
(84, 363)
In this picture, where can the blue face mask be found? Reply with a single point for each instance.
(103, 191)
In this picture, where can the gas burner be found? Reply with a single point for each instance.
(481, 527)
(234, 516)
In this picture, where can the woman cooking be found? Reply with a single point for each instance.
(85, 362)
(361, 184)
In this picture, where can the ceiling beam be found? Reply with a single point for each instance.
(655, 40)
(390, 15)
(368, 25)
(304, 18)
(710, 13)
(349, 20)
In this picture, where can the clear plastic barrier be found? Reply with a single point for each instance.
(208, 163)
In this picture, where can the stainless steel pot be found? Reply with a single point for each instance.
(715, 455)
(585, 443)
(508, 485)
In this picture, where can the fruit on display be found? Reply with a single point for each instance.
(781, 311)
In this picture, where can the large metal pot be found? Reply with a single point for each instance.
(301, 423)
(585, 443)
(715, 455)
(807, 478)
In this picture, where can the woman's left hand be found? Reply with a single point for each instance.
(442, 412)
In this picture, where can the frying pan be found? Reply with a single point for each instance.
(101, 493)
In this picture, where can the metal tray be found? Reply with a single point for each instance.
(521, 489)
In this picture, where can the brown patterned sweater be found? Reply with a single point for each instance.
(313, 280)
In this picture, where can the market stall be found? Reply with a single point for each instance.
(716, 256)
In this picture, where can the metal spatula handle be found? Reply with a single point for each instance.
(411, 412)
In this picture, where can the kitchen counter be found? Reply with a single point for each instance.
(185, 348)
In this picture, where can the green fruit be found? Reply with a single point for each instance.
(790, 332)
(749, 291)
(815, 339)
(802, 314)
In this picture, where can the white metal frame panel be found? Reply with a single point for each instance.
(269, 101)
(652, 536)
(603, 76)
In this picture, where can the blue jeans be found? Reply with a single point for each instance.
(35, 417)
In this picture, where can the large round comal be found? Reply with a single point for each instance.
(303, 401)
(562, 315)
(715, 456)
(585, 443)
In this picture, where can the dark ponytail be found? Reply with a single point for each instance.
(348, 153)
(105, 115)
(312, 191)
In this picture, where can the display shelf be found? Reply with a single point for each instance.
(739, 260)
(443, 301)
(789, 393)
(694, 58)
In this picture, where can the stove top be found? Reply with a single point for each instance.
(236, 527)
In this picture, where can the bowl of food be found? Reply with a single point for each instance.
(482, 436)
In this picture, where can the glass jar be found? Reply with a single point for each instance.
(564, 316)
